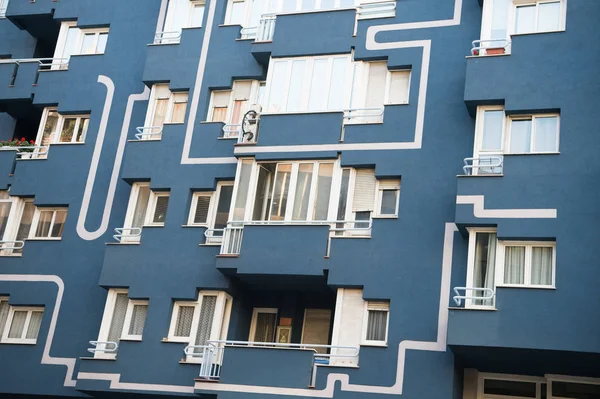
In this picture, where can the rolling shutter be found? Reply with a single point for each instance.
(316, 327)
(364, 190)
(202, 205)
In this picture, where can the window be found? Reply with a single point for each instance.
(198, 322)
(16, 216)
(123, 319)
(145, 208)
(538, 16)
(264, 325)
(533, 134)
(164, 107)
(211, 209)
(48, 223)
(93, 41)
(56, 128)
(180, 14)
(491, 386)
(75, 41)
(197, 14)
(19, 324)
(527, 263)
(388, 194)
(157, 208)
(376, 323)
(230, 106)
(481, 273)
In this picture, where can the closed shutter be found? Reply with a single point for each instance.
(347, 325)
(160, 213)
(118, 318)
(183, 324)
(202, 205)
(389, 184)
(316, 327)
(399, 84)
(364, 190)
(207, 314)
(265, 327)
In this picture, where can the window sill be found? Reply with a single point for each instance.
(210, 245)
(11, 255)
(86, 55)
(123, 243)
(386, 217)
(194, 362)
(17, 343)
(487, 55)
(166, 340)
(173, 123)
(131, 339)
(537, 33)
(44, 239)
(302, 113)
(519, 154)
(141, 141)
(152, 226)
(481, 308)
(110, 359)
(203, 226)
(346, 366)
(373, 345)
(227, 255)
(483, 175)
(534, 287)
(227, 138)
(351, 237)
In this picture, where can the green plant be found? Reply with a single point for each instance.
(19, 143)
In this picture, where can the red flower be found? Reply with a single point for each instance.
(22, 138)
(32, 142)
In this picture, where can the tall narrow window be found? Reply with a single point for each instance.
(376, 323)
(483, 269)
(263, 326)
(196, 14)
(280, 191)
(398, 87)
(219, 106)
(388, 192)
(165, 107)
(363, 201)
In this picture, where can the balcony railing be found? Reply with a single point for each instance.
(232, 235)
(171, 37)
(380, 9)
(264, 32)
(212, 354)
(104, 346)
(44, 64)
(148, 132)
(11, 245)
(490, 47)
(484, 165)
(232, 130)
(123, 234)
(32, 152)
(363, 115)
(487, 294)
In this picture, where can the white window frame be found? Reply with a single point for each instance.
(96, 32)
(375, 306)
(481, 377)
(533, 118)
(473, 231)
(194, 4)
(512, 14)
(157, 135)
(212, 207)
(253, 323)
(55, 135)
(251, 100)
(308, 74)
(14, 222)
(379, 198)
(3, 7)
(152, 202)
(220, 324)
(529, 245)
(36, 220)
(388, 86)
(9, 320)
(128, 316)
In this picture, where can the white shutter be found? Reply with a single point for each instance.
(202, 206)
(376, 86)
(241, 90)
(347, 324)
(316, 327)
(221, 98)
(389, 184)
(364, 190)
(399, 85)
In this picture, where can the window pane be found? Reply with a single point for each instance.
(160, 112)
(49, 128)
(337, 88)
(400, 81)
(541, 266)
(237, 13)
(239, 109)
(318, 91)
(485, 265)
(88, 45)
(219, 114)
(389, 199)
(202, 204)
(17, 325)
(66, 135)
(118, 318)
(102, 39)
(243, 184)
(499, 20)
(376, 325)
(82, 131)
(265, 327)
(347, 3)
(43, 227)
(277, 87)
(288, 6)
(376, 85)
(327, 4)
(3, 315)
(294, 101)
(59, 223)
(160, 213)
(308, 5)
(26, 219)
(207, 314)
(141, 205)
(263, 192)
(520, 136)
(34, 325)
(548, 17)
(575, 391)
(197, 16)
(514, 265)
(492, 130)
(280, 191)
(179, 112)
(183, 325)
(525, 19)
(138, 319)
(363, 215)
(546, 130)
(303, 185)
(69, 49)
(509, 388)
(4, 213)
(323, 191)
(223, 208)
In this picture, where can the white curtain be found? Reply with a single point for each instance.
(491, 266)
(514, 265)
(541, 266)
(34, 325)
(485, 266)
(138, 319)
(376, 325)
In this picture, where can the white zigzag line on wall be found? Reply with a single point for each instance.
(46, 358)
(480, 212)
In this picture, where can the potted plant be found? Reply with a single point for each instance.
(22, 146)
(495, 50)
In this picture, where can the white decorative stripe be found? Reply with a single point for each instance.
(480, 212)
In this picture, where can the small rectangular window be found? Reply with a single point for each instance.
(200, 209)
(135, 319)
(49, 223)
(398, 88)
(22, 324)
(159, 202)
(506, 388)
(376, 323)
(539, 16)
(528, 264)
(220, 102)
(197, 14)
(388, 194)
(93, 41)
(56, 128)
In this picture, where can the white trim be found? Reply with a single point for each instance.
(171, 337)
(379, 198)
(512, 12)
(107, 316)
(255, 312)
(128, 317)
(480, 212)
(473, 231)
(375, 306)
(529, 245)
(173, 99)
(36, 220)
(194, 205)
(22, 339)
(151, 210)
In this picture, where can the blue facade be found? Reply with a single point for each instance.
(331, 246)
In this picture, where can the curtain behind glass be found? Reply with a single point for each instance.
(376, 325)
(485, 266)
(34, 325)
(118, 318)
(541, 266)
(514, 265)
(141, 206)
(17, 325)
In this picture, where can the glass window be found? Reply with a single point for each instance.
(303, 187)
(389, 199)
(220, 104)
(236, 16)
(520, 136)
(141, 205)
(223, 206)
(548, 17)
(546, 134)
(280, 191)
(201, 205)
(179, 107)
(318, 89)
(500, 21)
(399, 87)
(44, 223)
(492, 130)
(324, 182)
(296, 86)
(243, 184)
(514, 265)
(160, 210)
(376, 323)
(484, 267)
(529, 264)
(101, 46)
(197, 15)
(338, 83)
(68, 129)
(525, 19)
(521, 389)
(88, 45)
(574, 390)
(49, 128)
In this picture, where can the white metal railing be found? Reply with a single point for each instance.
(381, 9)
(212, 354)
(170, 37)
(363, 115)
(31, 152)
(213, 236)
(11, 245)
(2, 10)
(489, 165)
(233, 233)
(148, 132)
(104, 346)
(265, 30)
(488, 294)
(232, 130)
(486, 47)
(43, 64)
(127, 233)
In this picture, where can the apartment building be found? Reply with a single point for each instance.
(299, 199)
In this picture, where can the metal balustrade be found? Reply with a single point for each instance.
(488, 294)
(490, 47)
(11, 245)
(233, 233)
(212, 354)
(232, 130)
(32, 152)
(213, 236)
(169, 37)
(148, 131)
(381, 9)
(102, 346)
(363, 115)
(127, 233)
(486, 165)
(44, 64)
(265, 30)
